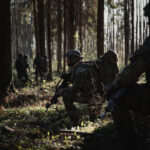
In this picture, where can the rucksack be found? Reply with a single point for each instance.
(106, 67)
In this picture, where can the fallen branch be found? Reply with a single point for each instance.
(9, 129)
(75, 132)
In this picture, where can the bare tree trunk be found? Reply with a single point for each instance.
(5, 45)
(127, 29)
(71, 23)
(65, 34)
(48, 24)
(113, 31)
(41, 27)
(36, 27)
(59, 38)
(100, 28)
(80, 24)
(16, 31)
(132, 42)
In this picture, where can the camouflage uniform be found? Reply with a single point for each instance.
(136, 97)
(108, 67)
(85, 84)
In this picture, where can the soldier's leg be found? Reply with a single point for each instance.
(94, 107)
(136, 99)
(122, 120)
(70, 108)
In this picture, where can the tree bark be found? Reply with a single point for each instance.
(59, 37)
(36, 27)
(41, 27)
(132, 42)
(16, 26)
(5, 45)
(71, 23)
(127, 29)
(65, 34)
(48, 25)
(100, 28)
(80, 24)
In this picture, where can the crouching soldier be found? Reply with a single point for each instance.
(84, 86)
(109, 67)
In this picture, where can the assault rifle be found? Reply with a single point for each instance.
(66, 77)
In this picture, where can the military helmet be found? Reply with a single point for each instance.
(74, 56)
(110, 56)
(147, 10)
(73, 53)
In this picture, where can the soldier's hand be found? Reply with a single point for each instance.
(47, 105)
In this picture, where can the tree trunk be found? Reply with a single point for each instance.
(48, 24)
(113, 31)
(65, 34)
(100, 28)
(59, 38)
(80, 24)
(127, 29)
(132, 42)
(36, 27)
(71, 23)
(41, 27)
(16, 29)
(5, 45)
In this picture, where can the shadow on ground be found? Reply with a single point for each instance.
(104, 139)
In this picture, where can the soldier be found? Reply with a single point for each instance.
(108, 67)
(37, 65)
(129, 96)
(85, 86)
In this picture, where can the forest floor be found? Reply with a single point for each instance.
(25, 124)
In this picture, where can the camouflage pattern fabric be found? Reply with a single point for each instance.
(85, 84)
(108, 67)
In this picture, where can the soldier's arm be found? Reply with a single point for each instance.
(131, 73)
(81, 77)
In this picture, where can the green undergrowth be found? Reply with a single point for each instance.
(35, 128)
(25, 124)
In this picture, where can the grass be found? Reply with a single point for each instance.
(26, 125)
